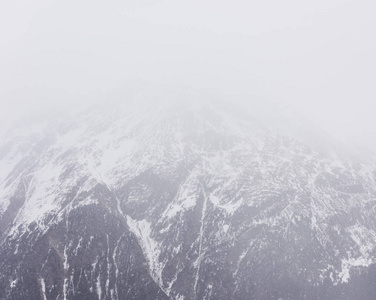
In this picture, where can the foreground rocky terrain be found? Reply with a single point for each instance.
(169, 195)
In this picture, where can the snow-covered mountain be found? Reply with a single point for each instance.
(173, 195)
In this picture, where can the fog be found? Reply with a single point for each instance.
(317, 59)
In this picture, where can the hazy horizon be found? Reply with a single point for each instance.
(316, 59)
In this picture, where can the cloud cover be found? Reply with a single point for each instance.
(317, 58)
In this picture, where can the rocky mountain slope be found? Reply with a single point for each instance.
(189, 199)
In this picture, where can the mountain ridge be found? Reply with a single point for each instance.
(197, 202)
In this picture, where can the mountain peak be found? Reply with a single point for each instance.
(187, 193)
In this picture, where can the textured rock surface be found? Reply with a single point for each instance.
(165, 200)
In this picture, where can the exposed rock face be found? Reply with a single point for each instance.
(181, 201)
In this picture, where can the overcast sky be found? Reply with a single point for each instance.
(318, 57)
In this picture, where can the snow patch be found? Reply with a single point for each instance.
(43, 285)
(14, 283)
(175, 208)
(351, 262)
(230, 207)
(186, 198)
(363, 237)
(142, 231)
(114, 155)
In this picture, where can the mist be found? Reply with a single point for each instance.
(162, 149)
(316, 59)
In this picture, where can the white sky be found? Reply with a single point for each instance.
(318, 57)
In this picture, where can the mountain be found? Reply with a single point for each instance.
(178, 195)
